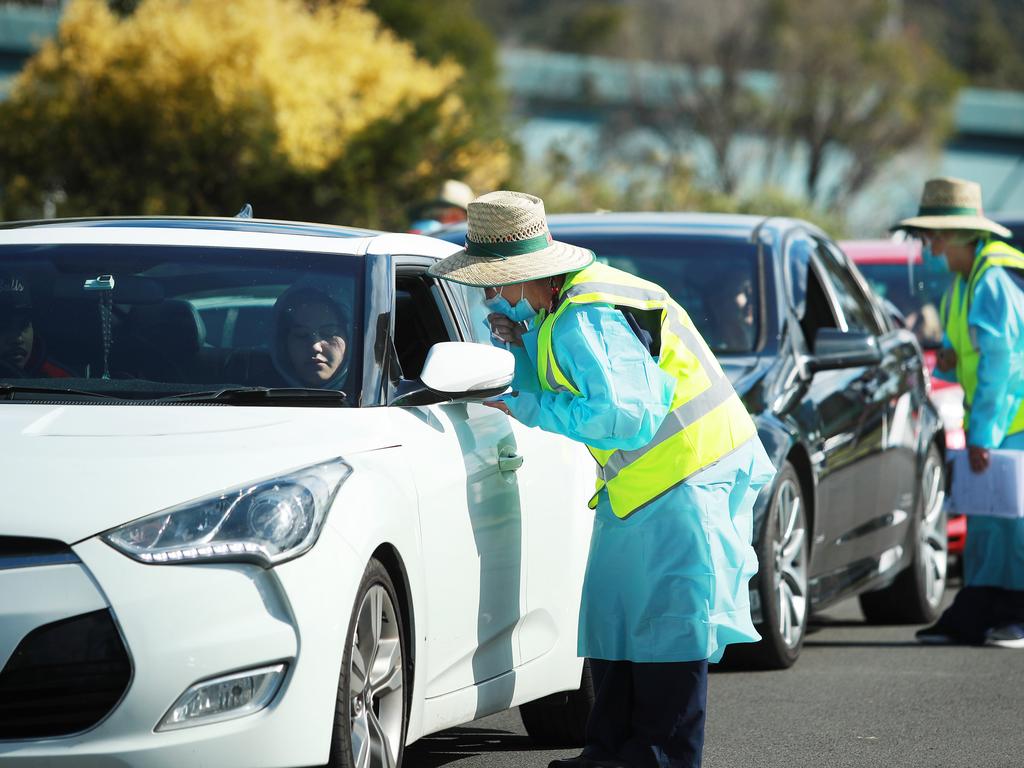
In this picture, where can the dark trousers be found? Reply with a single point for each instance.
(978, 609)
(648, 715)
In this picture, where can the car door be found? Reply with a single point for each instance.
(865, 491)
(896, 391)
(836, 410)
(464, 459)
(555, 482)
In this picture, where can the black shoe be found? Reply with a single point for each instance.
(935, 635)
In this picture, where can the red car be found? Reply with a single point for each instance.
(915, 296)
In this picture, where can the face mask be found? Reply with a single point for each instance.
(520, 313)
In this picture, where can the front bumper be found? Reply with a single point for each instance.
(182, 624)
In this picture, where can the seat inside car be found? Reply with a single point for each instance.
(168, 341)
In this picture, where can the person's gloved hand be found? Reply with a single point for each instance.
(945, 359)
(978, 457)
(506, 330)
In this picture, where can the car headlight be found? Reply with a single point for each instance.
(263, 523)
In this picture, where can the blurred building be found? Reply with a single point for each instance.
(567, 101)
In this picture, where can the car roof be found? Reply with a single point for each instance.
(882, 251)
(724, 225)
(222, 233)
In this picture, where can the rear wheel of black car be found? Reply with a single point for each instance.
(915, 596)
(782, 553)
(560, 720)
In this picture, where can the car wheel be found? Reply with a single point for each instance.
(372, 709)
(782, 554)
(915, 596)
(560, 720)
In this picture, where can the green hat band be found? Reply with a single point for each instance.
(504, 250)
(947, 210)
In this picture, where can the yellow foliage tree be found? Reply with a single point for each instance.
(197, 106)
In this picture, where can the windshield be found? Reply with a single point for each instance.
(918, 301)
(153, 321)
(714, 279)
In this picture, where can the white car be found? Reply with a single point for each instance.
(202, 563)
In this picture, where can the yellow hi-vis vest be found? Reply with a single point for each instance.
(955, 309)
(707, 420)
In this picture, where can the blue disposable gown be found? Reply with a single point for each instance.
(994, 551)
(670, 582)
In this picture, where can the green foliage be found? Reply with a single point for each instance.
(197, 107)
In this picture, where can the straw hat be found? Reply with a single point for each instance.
(948, 203)
(508, 242)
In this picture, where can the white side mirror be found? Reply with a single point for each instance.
(463, 369)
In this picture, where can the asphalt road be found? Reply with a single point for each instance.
(858, 696)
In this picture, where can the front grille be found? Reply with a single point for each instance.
(25, 552)
(63, 677)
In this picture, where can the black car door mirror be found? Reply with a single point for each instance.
(834, 349)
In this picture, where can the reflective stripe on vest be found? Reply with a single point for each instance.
(707, 420)
(955, 310)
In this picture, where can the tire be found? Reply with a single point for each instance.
(915, 597)
(560, 720)
(372, 710)
(782, 585)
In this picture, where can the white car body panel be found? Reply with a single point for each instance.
(491, 559)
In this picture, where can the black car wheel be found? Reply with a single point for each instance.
(560, 720)
(372, 710)
(915, 596)
(782, 553)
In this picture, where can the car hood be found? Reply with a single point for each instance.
(72, 471)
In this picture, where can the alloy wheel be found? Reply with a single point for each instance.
(789, 547)
(375, 691)
(933, 542)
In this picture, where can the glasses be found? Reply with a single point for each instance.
(313, 335)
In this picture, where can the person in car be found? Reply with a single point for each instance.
(448, 206)
(310, 328)
(983, 321)
(22, 349)
(611, 361)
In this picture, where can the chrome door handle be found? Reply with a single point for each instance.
(509, 461)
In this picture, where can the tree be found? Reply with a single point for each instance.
(197, 107)
(855, 86)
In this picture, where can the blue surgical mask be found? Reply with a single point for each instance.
(520, 313)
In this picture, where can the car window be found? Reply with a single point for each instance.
(421, 320)
(716, 280)
(854, 303)
(149, 321)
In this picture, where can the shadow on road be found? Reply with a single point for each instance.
(861, 644)
(461, 743)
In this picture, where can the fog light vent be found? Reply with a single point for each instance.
(224, 698)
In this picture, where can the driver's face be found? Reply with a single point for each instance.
(16, 336)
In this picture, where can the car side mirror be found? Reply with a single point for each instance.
(835, 349)
(457, 370)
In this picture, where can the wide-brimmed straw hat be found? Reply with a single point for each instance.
(508, 242)
(948, 203)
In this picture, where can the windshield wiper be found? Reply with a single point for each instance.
(10, 390)
(261, 396)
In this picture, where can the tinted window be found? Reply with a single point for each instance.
(144, 321)
(917, 296)
(854, 304)
(714, 279)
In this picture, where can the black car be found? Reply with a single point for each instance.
(840, 398)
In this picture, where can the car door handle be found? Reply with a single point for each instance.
(509, 460)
